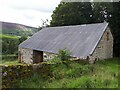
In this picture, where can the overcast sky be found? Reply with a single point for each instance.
(27, 12)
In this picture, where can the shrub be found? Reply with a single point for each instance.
(64, 54)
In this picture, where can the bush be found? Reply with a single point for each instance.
(64, 54)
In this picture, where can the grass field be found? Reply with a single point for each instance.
(8, 36)
(103, 74)
(9, 60)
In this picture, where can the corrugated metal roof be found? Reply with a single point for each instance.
(81, 40)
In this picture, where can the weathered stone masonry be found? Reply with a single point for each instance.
(104, 50)
(26, 56)
(33, 56)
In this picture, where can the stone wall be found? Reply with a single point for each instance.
(48, 56)
(26, 55)
(13, 74)
(104, 50)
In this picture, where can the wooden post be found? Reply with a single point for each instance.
(37, 56)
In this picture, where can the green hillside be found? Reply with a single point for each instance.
(17, 29)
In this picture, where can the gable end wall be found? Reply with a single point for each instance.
(104, 49)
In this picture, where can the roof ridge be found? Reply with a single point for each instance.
(76, 25)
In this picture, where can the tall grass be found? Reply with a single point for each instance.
(103, 74)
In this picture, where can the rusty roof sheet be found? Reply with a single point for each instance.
(81, 40)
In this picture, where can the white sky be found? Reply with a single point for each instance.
(27, 12)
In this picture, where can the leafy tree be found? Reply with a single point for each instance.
(102, 11)
(72, 14)
(115, 26)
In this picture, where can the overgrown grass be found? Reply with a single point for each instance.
(103, 74)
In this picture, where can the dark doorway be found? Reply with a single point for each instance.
(37, 56)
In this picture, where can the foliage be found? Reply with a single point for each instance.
(44, 24)
(10, 74)
(55, 60)
(9, 60)
(109, 12)
(102, 11)
(64, 54)
(10, 43)
(71, 14)
(68, 13)
(22, 38)
(18, 32)
(103, 74)
(115, 26)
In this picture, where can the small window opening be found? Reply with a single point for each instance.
(99, 47)
(107, 36)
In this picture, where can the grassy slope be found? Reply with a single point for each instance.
(17, 29)
(103, 74)
(8, 36)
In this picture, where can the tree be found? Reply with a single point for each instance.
(72, 14)
(44, 24)
(115, 25)
(102, 11)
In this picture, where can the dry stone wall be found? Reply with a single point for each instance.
(15, 73)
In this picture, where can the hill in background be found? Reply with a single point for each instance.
(17, 29)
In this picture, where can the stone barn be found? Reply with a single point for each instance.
(89, 41)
